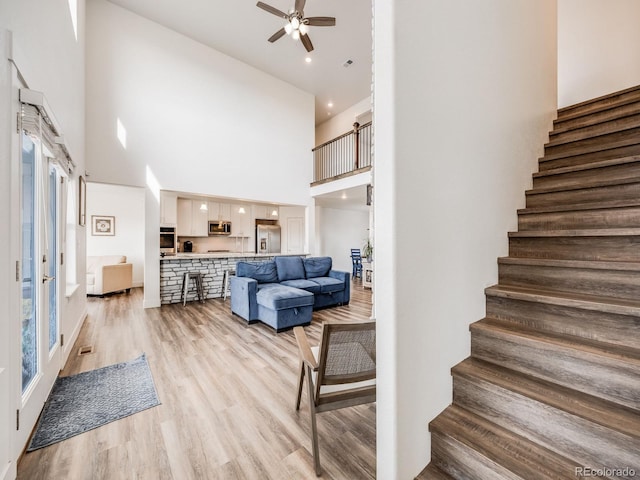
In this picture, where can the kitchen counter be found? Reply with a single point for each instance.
(211, 265)
(178, 256)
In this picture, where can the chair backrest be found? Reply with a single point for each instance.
(347, 354)
(355, 255)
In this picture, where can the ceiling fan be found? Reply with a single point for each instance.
(297, 25)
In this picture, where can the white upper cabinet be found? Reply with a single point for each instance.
(168, 209)
(219, 211)
(265, 211)
(240, 221)
(192, 220)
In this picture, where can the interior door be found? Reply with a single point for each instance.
(40, 212)
(295, 235)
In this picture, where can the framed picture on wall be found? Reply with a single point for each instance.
(82, 201)
(102, 225)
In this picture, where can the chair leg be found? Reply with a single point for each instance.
(185, 288)
(300, 382)
(314, 429)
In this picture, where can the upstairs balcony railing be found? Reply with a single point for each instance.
(345, 155)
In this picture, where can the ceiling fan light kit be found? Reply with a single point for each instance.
(297, 25)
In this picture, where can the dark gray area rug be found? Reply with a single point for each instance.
(88, 400)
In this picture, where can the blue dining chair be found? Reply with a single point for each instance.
(356, 260)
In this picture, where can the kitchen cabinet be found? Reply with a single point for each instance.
(192, 222)
(240, 222)
(168, 209)
(219, 211)
(265, 212)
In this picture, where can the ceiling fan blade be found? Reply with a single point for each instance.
(300, 6)
(320, 21)
(277, 35)
(271, 9)
(306, 41)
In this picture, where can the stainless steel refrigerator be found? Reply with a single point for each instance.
(267, 239)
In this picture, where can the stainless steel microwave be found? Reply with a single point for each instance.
(217, 227)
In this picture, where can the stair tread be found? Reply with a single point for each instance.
(596, 102)
(598, 184)
(568, 299)
(513, 452)
(588, 136)
(617, 353)
(559, 129)
(432, 472)
(597, 410)
(591, 232)
(571, 207)
(588, 166)
(586, 264)
(589, 149)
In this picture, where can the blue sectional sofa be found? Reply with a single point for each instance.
(284, 292)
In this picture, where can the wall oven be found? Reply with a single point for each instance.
(168, 240)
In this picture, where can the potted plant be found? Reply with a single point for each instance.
(367, 250)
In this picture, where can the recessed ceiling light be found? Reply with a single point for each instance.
(307, 59)
(330, 104)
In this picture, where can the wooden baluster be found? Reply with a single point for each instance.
(356, 140)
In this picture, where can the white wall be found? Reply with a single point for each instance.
(196, 121)
(598, 48)
(340, 231)
(126, 204)
(464, 97)
(342, 122)
(51, 60)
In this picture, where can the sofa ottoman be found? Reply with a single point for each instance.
(284, 307)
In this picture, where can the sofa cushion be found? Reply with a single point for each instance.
(290, 268)
(279, 297)
(317, 266)
(329, 284)
(307, 285)
(263, 272)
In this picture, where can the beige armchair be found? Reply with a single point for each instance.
(108, 273)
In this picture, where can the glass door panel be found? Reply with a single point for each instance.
(52, 256)
(29, 266)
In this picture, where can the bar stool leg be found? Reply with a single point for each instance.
(185, 288)
(200, 287)
(225, 280)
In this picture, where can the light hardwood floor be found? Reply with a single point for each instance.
(227, 393)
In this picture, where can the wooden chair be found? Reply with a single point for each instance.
(341, 371)
(356, 261)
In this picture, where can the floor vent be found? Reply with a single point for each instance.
(87, 349)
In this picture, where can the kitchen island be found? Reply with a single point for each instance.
(212, 266)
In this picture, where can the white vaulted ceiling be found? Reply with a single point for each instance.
(240, 29)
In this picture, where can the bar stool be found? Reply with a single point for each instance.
(186, 277)
(225, 282)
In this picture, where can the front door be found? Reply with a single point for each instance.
(41, 353)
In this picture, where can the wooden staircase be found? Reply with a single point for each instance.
(552, 387)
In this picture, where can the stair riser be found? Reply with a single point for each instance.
(581, 370)
(625, 173)
(589, 324)
(573, 437)
(617, 249)
(590, 157)
(587, 132)
(462, 462)
(628, 217)
(608, 102)
(598, 117)
(609, 283)
(629, 191)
